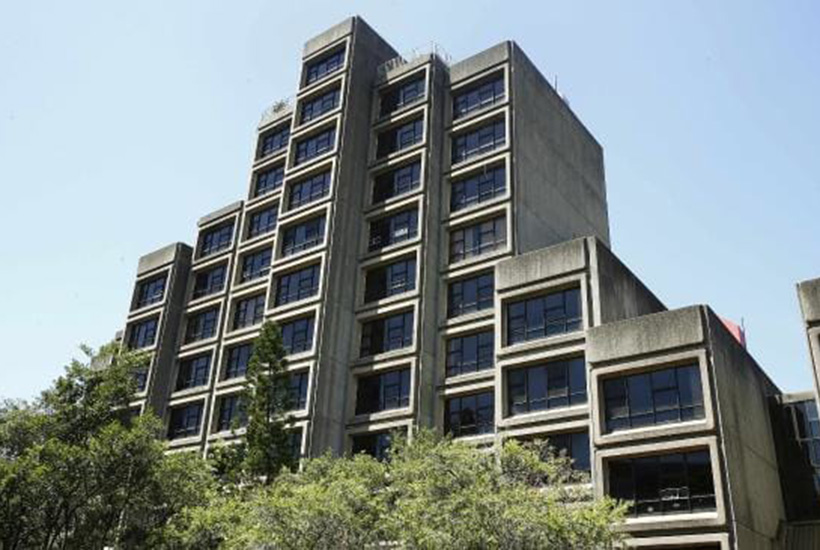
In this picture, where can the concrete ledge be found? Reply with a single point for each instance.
(481, 61)
(541, 264)
(330, 36)
(809, 294)
(647, 334)
(216, 214)
(159, 258)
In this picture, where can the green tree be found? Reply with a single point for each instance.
(266, 401)
(432, 493)
(77, 470)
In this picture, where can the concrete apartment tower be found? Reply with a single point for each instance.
(432, 238)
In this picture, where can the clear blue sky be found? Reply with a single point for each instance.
(123, 122)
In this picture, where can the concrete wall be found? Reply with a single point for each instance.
(743, 393)
(559, 189)
(808, 293)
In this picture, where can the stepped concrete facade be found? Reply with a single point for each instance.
(432, 238)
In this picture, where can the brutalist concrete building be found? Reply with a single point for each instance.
(432, 238)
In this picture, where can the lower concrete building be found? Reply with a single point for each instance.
(432, 238)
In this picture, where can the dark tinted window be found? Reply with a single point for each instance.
(396, 182)
(201, 325)
(387, 333)
(268, 180)
(193, 372)
(151, 291)
(209, 281)
(399, 138)
(303, 236)
(298, 390)
(141, 379)
(478, 239)
(297, 335)
(483, 95)
(476, 142)
(552, 385)
(389, 280)
(469, 295)
(382, 392)
(470, 353)
(393, 229)
(297, 285)
(477, 188)
(214, 240)
(373, 444)
(316, 107)
(262, 221)
(315, 145)
(401, 94)
(143, 333)
(255, 265)
(470, 415)
(273, 141)
(574, 445)
(249, 312)
(231, 413)
(657, 397)
(324, 66)
(675, 483)
(236, 360)
(185, 420)
(308, 190)
(295, 442)
(542, 316)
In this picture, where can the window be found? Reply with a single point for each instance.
(470, 415)
(393, 229)
(193, 372)
(151, 291)
(478, 188)
(297, 336)
(143, 333)
(324, 66)
(383, 392)
(803, 429)
(298, 390)
(315, 145)
(295, 443)
(399, 138)
(316, 107)
(255, 265)
(184, 421)
(470, 353)
(141, 379)
(400, 95)
(574, 445)
(480, 96)
(209, 281)
(550, 386)
(664, 484)
(267, 181)
(390, 280)
(214, 240)
(473, 143)
(470, 295)
(273, 141)
(201, 325)
(263, 221)
(237, 359)
(373, 444)
(396, 182)
(556, 313)
(657, 397)
(303, 236)
(249, 312)
(231, 413)
(297, 285)
(387, 333)
(308, 190)
(478, 239)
